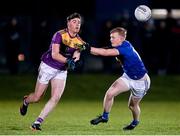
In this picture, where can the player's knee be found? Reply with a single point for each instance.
(131, 107)
(109, 95)
(55, 99)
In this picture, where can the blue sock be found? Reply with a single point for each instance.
(135, 122)
(105, 115)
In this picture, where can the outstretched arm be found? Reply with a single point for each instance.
(104, 52)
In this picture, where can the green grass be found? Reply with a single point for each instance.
(82, 101)
(72, 118)
(89, 87)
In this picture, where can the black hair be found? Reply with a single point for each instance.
(74, 15)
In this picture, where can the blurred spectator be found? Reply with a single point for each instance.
(40, 39)
(148, 45)
(104, 42)
(125, 21)
(174, 42)
(12, 41)
(161, 38)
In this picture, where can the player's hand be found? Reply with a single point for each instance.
(78, 64)
(83, 47)
(86, 47)
(71, 64)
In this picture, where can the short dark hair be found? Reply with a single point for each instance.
(122, 31)
(74, 15)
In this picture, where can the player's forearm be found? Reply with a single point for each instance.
(59, 57)
(98, 51)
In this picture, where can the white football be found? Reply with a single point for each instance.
(142, 13)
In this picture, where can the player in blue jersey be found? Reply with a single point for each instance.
(63, 54)
(134, 78)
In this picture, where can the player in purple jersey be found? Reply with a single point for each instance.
(63, 54)
(134, 78)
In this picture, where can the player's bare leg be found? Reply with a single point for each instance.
(116, 88)
(133, 105)
(33, 97)
(57, 89)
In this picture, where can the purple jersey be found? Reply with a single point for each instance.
(67, 47)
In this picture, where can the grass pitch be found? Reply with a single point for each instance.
(82, 101)
(72, 118)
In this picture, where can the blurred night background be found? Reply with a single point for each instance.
(26, 29)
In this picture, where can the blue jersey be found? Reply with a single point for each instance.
(130, 60)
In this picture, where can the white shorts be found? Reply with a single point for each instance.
(139, 87)
(46, 73)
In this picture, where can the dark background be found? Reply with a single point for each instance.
(157, 41)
